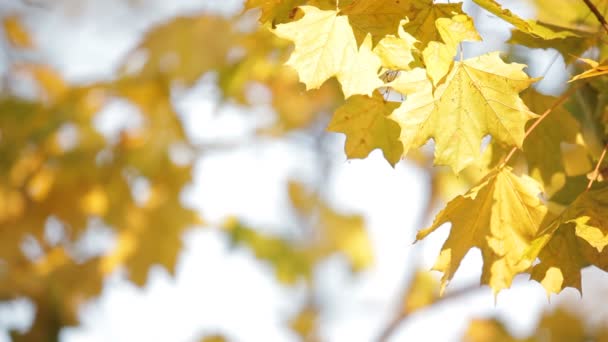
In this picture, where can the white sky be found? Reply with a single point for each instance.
(225, 291)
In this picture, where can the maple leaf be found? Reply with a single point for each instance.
(364, 121)
(542, 147)
(572, 14)
(572, 241)
(479, 96)
(597, 69)
(275, 11)
(423, 17)
(376, 17)
(531, 27)
(395, 52)
(325, 46)
(507, 214)
(438, 57)
(569, 47)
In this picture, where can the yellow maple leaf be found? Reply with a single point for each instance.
(575, 239)
(542, 147)
(325, 46)
(275, 11)
(395, 52)
(376, 17)
(531, 27)
(438, 57)
(364, 121)
(423, 17)
(572, 14)
(500, 216)
(479, 96)
(597, 69)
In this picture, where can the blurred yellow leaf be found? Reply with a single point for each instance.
(423, 292)
(16, 34)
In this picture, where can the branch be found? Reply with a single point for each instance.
(402, 316)
(546, 113)
(597, 14)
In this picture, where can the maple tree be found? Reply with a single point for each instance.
(530, 167)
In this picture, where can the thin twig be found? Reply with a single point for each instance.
(391, 328)
(546, 113)
(596, 171)
(597, 14)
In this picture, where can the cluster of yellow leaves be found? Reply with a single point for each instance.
(412, 48)
(79, 178)
(87, 179)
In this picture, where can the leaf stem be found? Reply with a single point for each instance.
(596, 171)
(597, 14)
(546, 113)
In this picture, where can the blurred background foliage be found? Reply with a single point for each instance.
(62, 181)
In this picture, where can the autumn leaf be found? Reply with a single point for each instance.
(275, 11)
(325, 46)
(395, 52)
(438, 57)
(571, 14)
(570, 242)
(364, 121)
(542, 147)
(479, 97)
(376, 17)
(424, 15)
(597, 69)
(569, 47)
(530, 27)
(16, 33)
(507, 216)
